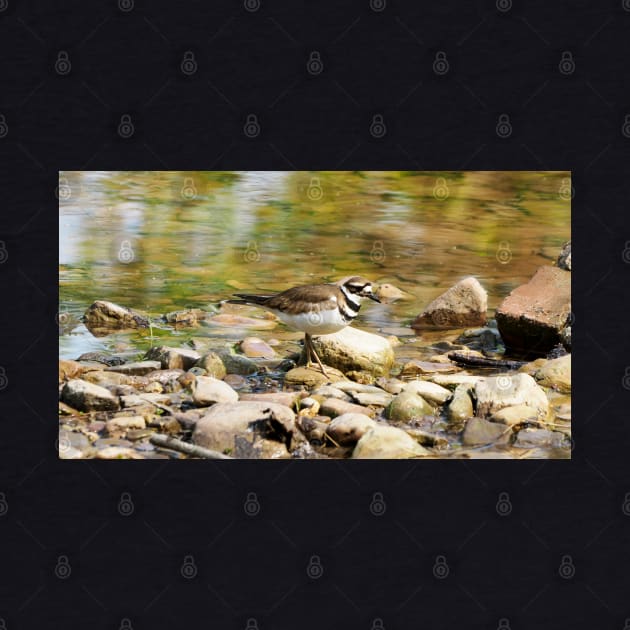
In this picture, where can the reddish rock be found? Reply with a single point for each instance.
(532, 317)
(464, 304)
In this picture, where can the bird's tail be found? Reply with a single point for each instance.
(246, 298)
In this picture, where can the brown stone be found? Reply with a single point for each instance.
(532, 317)
(464, 304)
(334, 407)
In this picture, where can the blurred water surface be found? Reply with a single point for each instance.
(163, 241)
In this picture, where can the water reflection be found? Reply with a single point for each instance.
(161, 241)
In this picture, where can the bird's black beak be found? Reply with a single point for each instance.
(373, 297)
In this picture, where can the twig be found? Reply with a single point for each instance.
(184, 447)
(467, 359)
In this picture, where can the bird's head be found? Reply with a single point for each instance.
(359, 286)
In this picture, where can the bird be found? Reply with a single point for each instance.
(315, 309)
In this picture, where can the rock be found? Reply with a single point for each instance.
(361, 376)
(309, 406)
(349, 428)
(535, 438)
(330, 391)
(378, 399)
(464, 304)
(107, 442)
(102, 317)
(311, 377)
(231, 320)
(354, 349)
(352, 387)
(118, 452)
(73, 445)
(453, 380)
(85, 396)
(212, 364)
(237, 364)
(187, 317)
(137, 368)
(224, 422)
(556, 373)
(164, 377)
(391, 385)
(494, 393)
(173, 358)
(479, 431)
(207, 390)
(137, 400)
(118, 427)
(532, 317)
(153, 388)
(384, 442)
(260, 448)
(483, 339)
(110, 379)
(314, 428)
(517, 414)
(416, 367)
(408, 406)
(461, 407)
(165, 424)
(429, 391)
(235, 381)
(255, 347)
(70, 369)
(564, 259)
(387, 293)
(282, 398)
(333, 407)
(101, 357)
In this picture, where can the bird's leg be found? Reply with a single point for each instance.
(308, 338)
(307, 350)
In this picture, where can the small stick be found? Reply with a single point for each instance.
(184, 447)
(465, 359)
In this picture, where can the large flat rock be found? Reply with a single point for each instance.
(532, 317)
(354, 349)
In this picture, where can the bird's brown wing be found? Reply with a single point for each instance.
(314, 297)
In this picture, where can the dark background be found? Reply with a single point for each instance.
(125, 571)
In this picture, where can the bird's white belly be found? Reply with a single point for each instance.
(320, 323)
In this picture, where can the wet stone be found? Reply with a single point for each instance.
(461, 407)
(173, 358)
(207, 391)
(429, 391)
(255, 347)
(137, 368)
(384, 442)
(212, 364)
(85, 396)
(334, 407)
(535, 438)
(349, 428)
(283, 398)
(311, 377)
(464, 304)
(479, 431)
(101, 357)
(103, 316)
(408, 406)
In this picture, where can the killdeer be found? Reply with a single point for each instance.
(315, 309)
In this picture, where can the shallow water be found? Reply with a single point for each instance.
(163, 241)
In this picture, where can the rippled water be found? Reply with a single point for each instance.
(163, 241)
